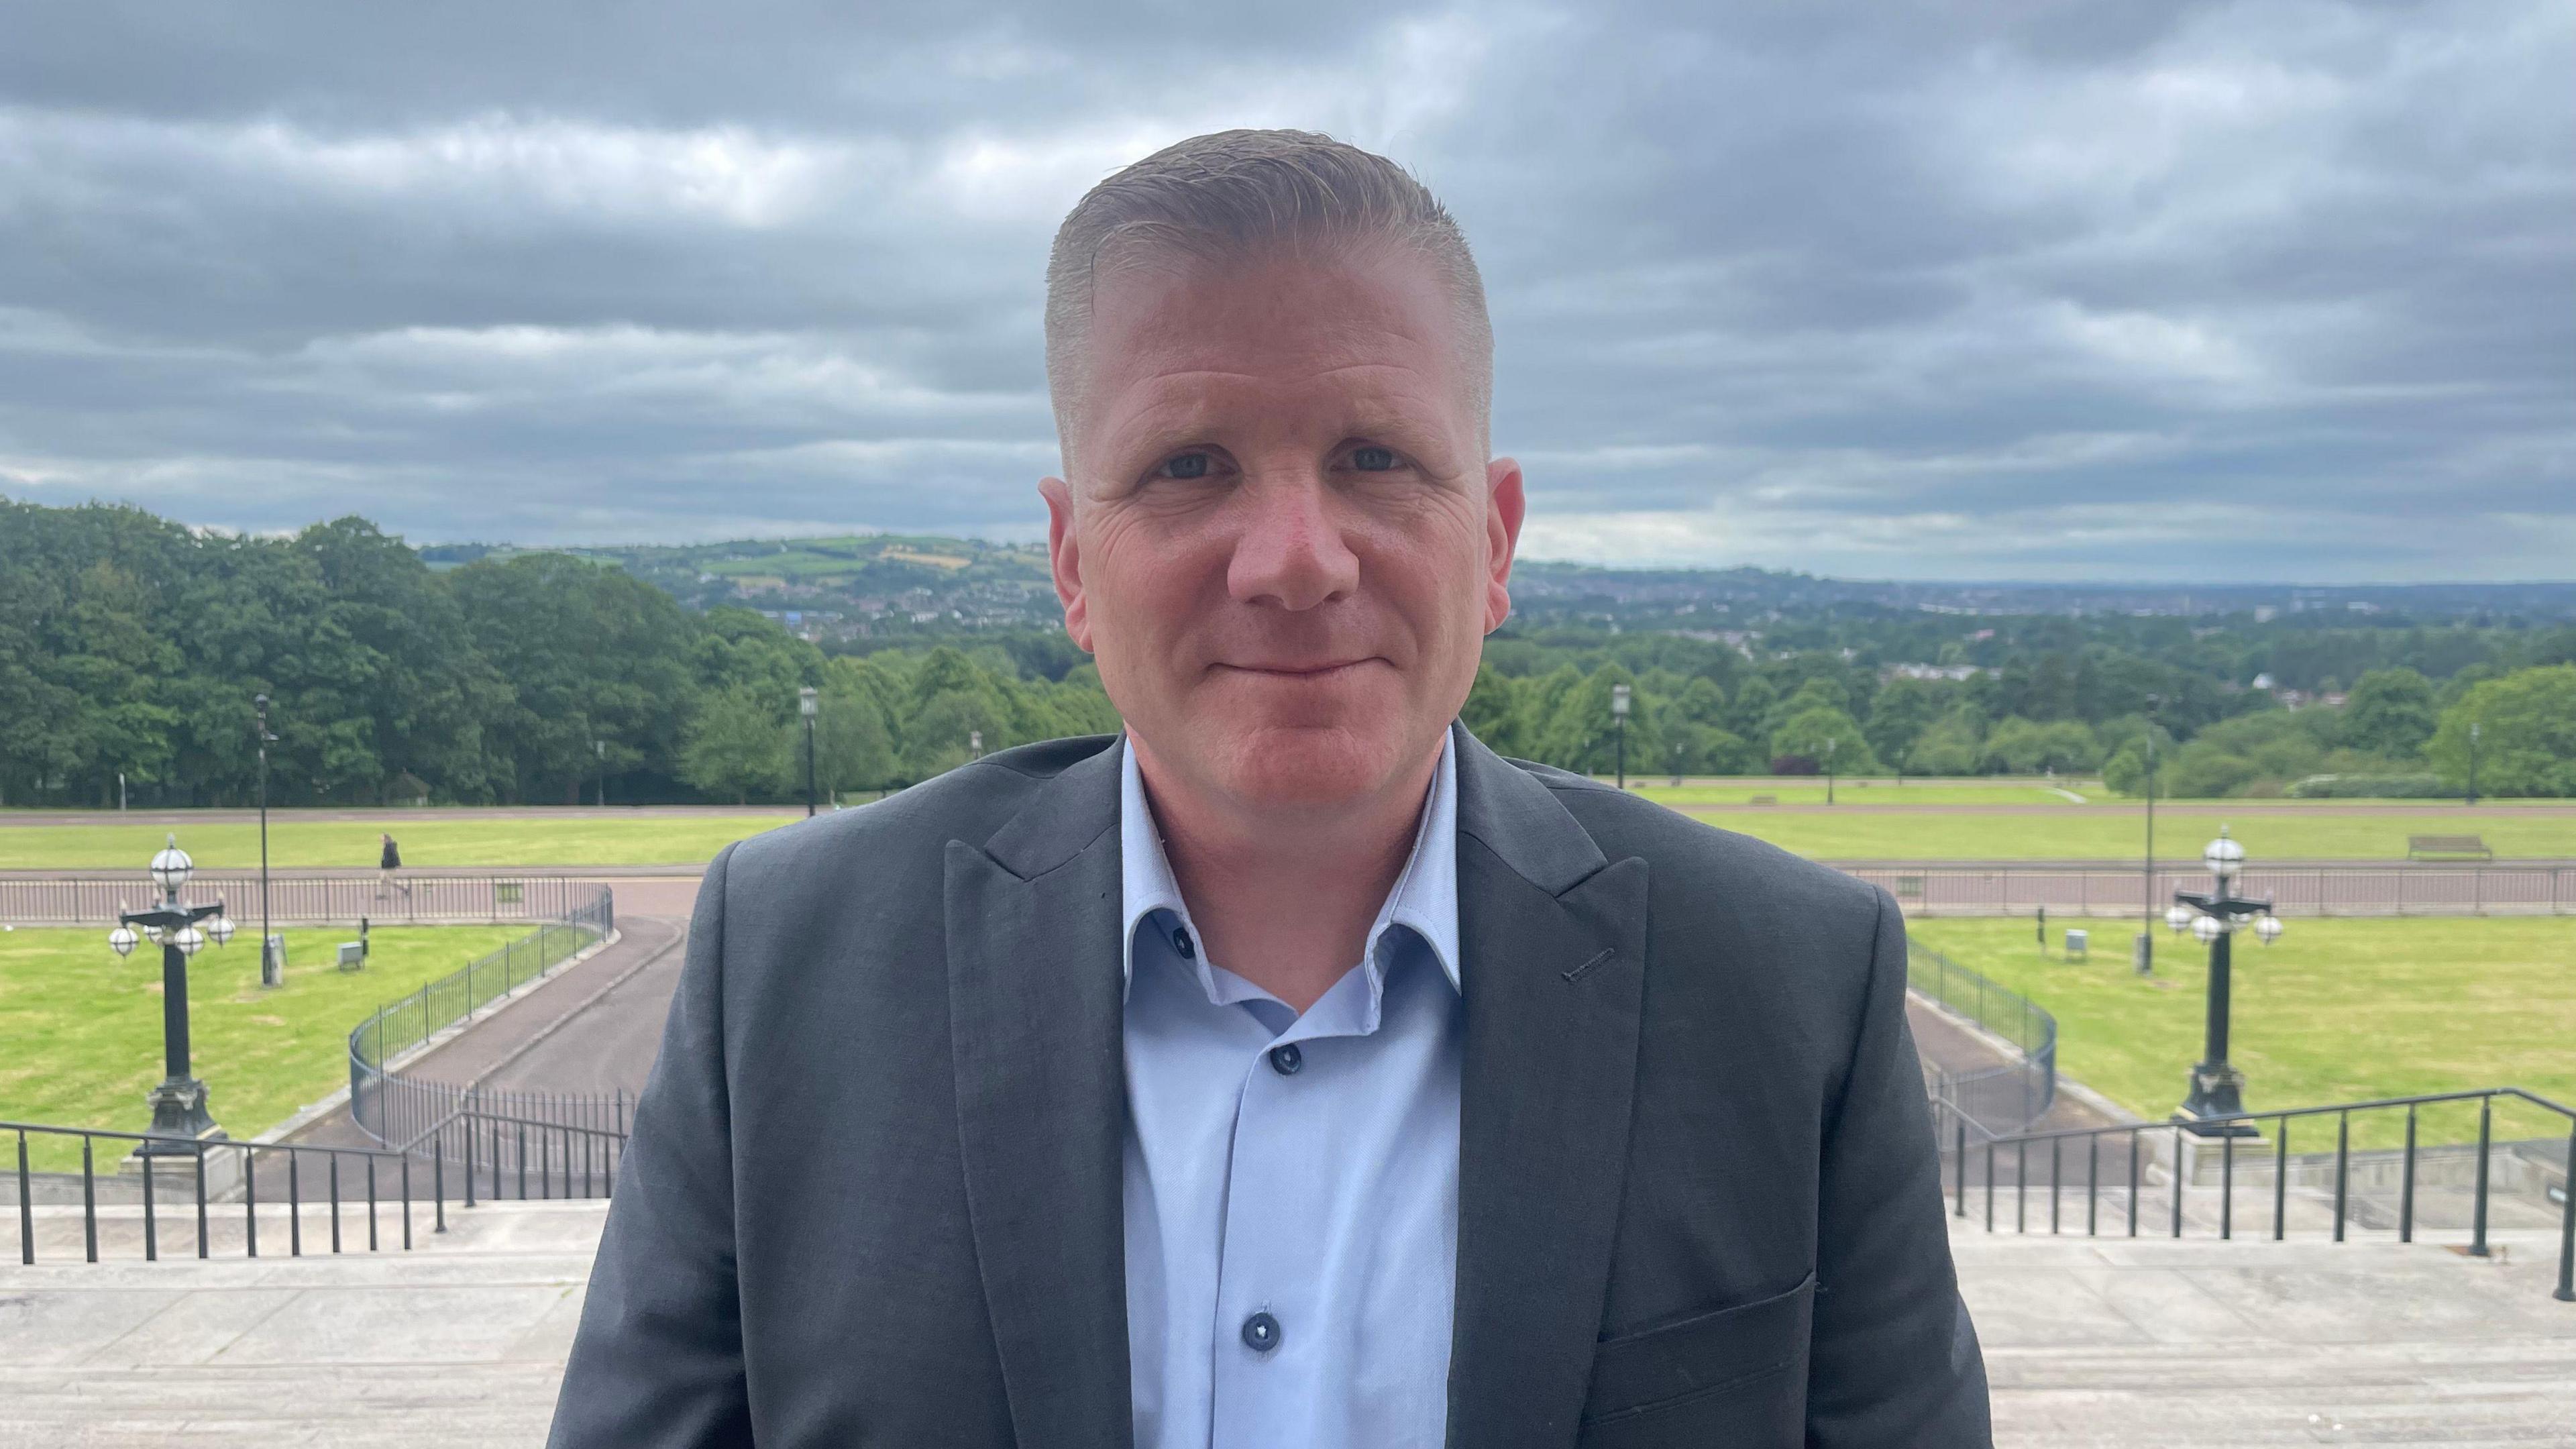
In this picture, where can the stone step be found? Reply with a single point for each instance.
(2110, 1342)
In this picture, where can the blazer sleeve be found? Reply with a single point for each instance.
(658, 1362)
(1894, 1359)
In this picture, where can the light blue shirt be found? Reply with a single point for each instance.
(1299, 1167)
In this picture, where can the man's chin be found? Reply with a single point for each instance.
(1289, 768)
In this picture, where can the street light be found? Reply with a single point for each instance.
(599, 748)
(179, 1117)
(2146, 932)
(2214, 917)
(809, 704)
(1830, 743)
(1619, 714)
(272, 965)
(2473, 762)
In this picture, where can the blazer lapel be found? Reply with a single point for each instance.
(1035, 1021)
(1553, 937)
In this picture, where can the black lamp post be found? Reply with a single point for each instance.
(809, 704)
(272, 971)
(179, 1117)
(2147, 913)
(1829, 769)
(1619, 716)
(2215, 916)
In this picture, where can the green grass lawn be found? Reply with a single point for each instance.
(2065, 831)
(2338, 1010)
(2111, 833)
(83, 1028)
(1799, 790)
(429, 841)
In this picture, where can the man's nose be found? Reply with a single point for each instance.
(1289, 551)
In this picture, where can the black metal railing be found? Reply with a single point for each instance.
(218, 1190)
(2393, 1190)
(225, 1194)
(2020, 1087)
(306, 899)
(376, 1096)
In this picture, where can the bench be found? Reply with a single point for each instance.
(2456, 847)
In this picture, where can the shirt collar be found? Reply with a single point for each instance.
(1424, 900)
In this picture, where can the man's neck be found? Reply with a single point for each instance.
(1287, 905)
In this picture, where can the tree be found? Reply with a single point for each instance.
(2526, 737)
(2390, 712)
(2024, 747)
(853, 749)
(736, 746)
(1903, 710)
(1951, 746)
(1805, 735)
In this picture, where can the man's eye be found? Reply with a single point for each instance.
(1373, 460)
(1187, 465)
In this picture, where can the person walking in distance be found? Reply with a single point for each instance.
(388, 869)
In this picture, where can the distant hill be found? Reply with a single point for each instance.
(880, 585)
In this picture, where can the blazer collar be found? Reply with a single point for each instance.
(1557, 934)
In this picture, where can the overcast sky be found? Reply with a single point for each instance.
(1978, 290)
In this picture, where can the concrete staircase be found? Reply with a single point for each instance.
(459, 1342)
(2107, 1342)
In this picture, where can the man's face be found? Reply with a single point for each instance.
(1282, 538)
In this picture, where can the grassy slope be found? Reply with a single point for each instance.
(429, 841)
(2337, 1011)
(83, 1028)
(2088, 833)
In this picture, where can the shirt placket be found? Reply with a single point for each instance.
(1270, 1339)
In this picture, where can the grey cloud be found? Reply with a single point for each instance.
(2181, 290)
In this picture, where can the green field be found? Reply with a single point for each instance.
(2337, 1011)
(1799, 790)
(2090, 833)
(429, 840)
(83, 1027)
(432, 840)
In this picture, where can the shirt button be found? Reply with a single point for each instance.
(1285, 1060)
(1261, 1333)
(1181, 943)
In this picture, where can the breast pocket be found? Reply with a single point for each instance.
(1733, 1376)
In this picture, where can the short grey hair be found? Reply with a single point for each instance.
(1229, 192)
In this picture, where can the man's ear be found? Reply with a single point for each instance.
(1503, 508)
(1064, 560)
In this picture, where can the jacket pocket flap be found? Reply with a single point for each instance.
(1703, 1352)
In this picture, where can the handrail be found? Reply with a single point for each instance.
(2012, 1094)
(564, 1160)
(439, 1004)
(196, 1153)
(2188, 1139)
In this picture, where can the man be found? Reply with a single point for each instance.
(1290, 1071)
(388, 867)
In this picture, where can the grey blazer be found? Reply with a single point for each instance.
(873, 1195)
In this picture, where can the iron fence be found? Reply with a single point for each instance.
(2017, 1090)
(182, 1194)
(304, 899)
(375, 1096)
(2166, 1177)
(1937, 890)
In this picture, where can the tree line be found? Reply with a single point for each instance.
(131, 646)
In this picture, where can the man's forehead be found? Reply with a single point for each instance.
(1276, 306)
(1193, 334)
